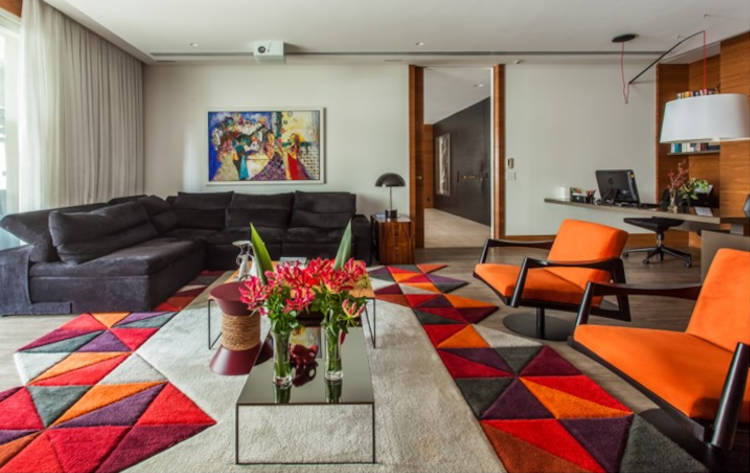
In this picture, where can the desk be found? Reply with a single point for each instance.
(738, 225)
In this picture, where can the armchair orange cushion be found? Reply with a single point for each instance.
(541, 284)
(575, 241)
(686, 371)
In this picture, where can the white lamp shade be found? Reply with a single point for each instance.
(718, 117)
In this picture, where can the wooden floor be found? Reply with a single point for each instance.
(445, 230)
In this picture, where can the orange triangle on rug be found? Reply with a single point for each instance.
(102, 395)
(566, 406)
(580, 386)
(467, 337)
(86, 376)
(110, 318)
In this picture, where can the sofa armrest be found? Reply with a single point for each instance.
(14, 278)
(594, 289)
(494, 243)
(730, 403)
(362, 239)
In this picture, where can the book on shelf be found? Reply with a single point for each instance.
(677, 148)
(697, 93)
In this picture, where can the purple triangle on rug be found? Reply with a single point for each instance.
(8, 435)
(135, 316)
(392, 289)
(474, 315)
(517, 402)
(485, 356)
(381, 273)
(106, 342)
(549, 363)
(438, 301)
(603, 438)
(123, 412)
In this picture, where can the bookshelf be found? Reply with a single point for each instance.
(726, 167)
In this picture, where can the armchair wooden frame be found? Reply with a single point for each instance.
(722, 430)
(614, 266)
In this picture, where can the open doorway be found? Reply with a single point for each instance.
(457, 151)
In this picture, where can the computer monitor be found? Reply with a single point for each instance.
(617, 186)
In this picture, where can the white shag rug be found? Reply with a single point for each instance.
(423, 423)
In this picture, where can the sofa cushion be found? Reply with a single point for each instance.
(83, 236)
(33, 228)
(313, 235)
(261, 210)
(231, 234)
(201, 210)
(327, 210)
(684, 370)
(160, 213)
(192, 234)
(141, 259)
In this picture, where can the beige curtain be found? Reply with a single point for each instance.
(81, 124)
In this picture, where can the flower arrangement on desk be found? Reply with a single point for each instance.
(687, 188)
(285, 291)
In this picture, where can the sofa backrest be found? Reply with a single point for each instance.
(577, 240)
(722, 312)
(33, 228)
(159, 212)
(262, 210)
(82, 236)
(327, 210)
(201, 209)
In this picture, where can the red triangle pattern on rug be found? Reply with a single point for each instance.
(109, 437)
(550, 418)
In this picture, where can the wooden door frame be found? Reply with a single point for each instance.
(416, 127)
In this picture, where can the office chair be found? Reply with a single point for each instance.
(659, 225)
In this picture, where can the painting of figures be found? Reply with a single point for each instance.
(265, 146)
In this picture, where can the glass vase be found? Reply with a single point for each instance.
(282, 366)
(672, 201)
(333, 391)
(332, 353)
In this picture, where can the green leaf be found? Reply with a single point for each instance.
(262, 261)
(345, 247)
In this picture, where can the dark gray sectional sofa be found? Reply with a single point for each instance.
(131, 253)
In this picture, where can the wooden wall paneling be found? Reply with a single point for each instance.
(498, 149)
(670, 79)
(416, 128)
(428, 167)
(13, 6)
(695, 73)
(734, 161)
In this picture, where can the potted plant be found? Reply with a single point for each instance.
(676, 181)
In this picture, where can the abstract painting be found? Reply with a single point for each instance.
(443, 167)
(266, 146)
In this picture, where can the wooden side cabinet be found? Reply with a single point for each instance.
(395, 240)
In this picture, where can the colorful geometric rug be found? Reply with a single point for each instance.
(538, 411)
(90, 402)
(406, 278)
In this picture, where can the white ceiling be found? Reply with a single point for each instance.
(448, 90)
(509, 28)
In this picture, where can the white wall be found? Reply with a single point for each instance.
(562, 123)
(366, 123)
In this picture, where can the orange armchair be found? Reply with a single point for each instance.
(700, 375)
(581, 252)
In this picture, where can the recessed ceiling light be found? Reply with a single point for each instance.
(195, 45)
(420, 43)
(479, 85)
(518, 61)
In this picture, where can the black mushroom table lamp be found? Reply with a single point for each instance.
(390, 180)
